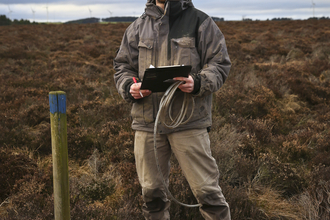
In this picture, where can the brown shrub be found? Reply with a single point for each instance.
(287, 178)
(14, 166)
(31, 196)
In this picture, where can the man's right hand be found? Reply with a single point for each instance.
(136, 92)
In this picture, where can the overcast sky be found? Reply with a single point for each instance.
(61, 10)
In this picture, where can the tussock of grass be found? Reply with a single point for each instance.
(273, 205)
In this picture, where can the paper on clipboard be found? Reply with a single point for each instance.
(160, 78)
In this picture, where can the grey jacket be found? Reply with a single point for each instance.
(178, 35)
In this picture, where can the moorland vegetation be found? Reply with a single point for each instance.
(270, 133)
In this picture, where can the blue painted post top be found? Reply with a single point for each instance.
(57, 102)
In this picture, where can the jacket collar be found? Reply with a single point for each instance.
(172, 8)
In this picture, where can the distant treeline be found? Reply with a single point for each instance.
(119, 19)
(131, 19)
(6, 21)
(312, 18)
(84, 21)
(116, 19)
(321, 18)
(288, 19)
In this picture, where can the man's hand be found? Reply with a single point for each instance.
(188, 85)
(137, 93)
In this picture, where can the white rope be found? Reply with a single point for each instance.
(166, 107)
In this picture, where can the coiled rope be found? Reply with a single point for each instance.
(164, 108)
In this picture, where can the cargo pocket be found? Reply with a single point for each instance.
(183, 51)
(145, 55)
(148, 109)
(143, 111)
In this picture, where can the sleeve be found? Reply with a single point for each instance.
(214, 58)
(126, 62)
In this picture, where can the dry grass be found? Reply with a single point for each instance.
(273, 205)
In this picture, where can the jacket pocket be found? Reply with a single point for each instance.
(143, 111)
(145, 55)
(183, 51)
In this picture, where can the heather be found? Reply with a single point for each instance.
(270, 133)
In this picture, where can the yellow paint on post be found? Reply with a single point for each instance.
(57, 103)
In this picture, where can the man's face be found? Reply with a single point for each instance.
(161, 1)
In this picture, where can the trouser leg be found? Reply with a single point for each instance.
(156, 203)
(192, 150)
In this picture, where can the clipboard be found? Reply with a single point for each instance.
(160, 78)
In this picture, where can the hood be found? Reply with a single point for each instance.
(174, 7)
(185, 3)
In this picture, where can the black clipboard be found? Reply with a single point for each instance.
(160, 78)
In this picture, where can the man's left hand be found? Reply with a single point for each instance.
(188, 85)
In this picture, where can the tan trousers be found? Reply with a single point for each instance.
(192, 150)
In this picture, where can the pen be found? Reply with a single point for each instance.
(136, 82)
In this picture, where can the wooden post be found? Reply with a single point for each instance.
(57, 103)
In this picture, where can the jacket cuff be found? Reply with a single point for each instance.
(197, 84)
(127, 88)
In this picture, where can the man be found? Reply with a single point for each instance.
(174, 33)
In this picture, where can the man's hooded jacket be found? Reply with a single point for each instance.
(178, 35)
